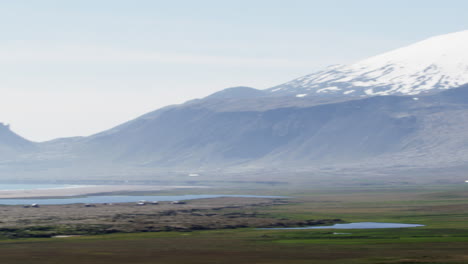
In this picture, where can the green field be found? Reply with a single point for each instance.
(444, 239)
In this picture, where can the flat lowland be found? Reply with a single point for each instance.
(84, 219)
(444, 239)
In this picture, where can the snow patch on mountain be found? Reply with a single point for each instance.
(437, 63)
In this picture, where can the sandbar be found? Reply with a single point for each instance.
(86, 190)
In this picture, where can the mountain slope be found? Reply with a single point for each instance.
(376, 132)
(200, 134)
(434, 64)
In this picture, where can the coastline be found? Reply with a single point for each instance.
(85, 190)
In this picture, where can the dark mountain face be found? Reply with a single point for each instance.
(201, 136)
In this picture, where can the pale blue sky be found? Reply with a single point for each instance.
(70, 68)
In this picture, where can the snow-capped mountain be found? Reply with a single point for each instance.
(242, 128)
(437, 63)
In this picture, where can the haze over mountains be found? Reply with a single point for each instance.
(407, 107)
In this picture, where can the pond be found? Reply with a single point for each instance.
(361, 225)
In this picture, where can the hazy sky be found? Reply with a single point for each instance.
(74, 68)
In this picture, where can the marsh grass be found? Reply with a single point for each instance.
(444, 239)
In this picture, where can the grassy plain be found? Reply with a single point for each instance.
(444, 239)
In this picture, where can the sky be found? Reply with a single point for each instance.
(75, 68)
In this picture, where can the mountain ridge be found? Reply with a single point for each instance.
(195, 135)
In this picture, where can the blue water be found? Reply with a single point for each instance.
(120, 199)
(362, 225)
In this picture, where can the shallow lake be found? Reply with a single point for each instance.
(361, 225)
(120, 199)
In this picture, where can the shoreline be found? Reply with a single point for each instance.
(85, 190)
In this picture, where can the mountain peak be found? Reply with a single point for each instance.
(437, 63)
(237, 92)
